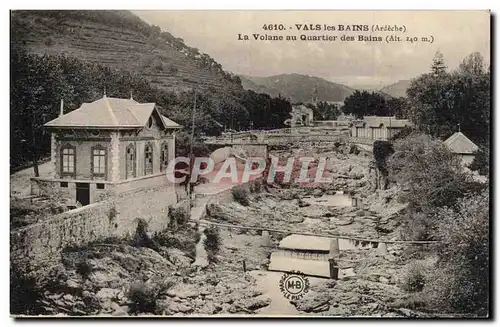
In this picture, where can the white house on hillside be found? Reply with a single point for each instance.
(460, 145)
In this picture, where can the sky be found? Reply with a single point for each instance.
(357, 64)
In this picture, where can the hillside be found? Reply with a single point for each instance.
(120, 40)
(299, 88)
(397, 89)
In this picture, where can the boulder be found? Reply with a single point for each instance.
(207, 309)
(313, 302)
(178, 258)
(179, 307)
(107, 293)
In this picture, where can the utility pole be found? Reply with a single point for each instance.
(232, 125)
(191, 161)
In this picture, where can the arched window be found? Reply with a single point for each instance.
(98, 161)
(148, 159)
(130, 161)
(164, 156)
(68, 160)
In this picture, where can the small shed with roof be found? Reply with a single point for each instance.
(462, 146)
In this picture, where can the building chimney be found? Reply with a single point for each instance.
(61, 111)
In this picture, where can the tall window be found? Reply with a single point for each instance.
(68, 160)
(148, 159)
(98, 161)
(130, 161)
(164, 156)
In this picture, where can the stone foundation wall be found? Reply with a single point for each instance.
(40, 244)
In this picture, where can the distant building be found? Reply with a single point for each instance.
(378, 127)
(301, 116)
(110, 144)
(462, 146)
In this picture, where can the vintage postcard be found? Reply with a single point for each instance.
(250, 163)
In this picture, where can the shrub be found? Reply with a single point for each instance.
(257, 186)
(416, 226)
(25, 293)
(461, 282)
(354, 150)
(381, 151)
(414, 279)
(184, 240)
(143, 295)
(84, 268)
(481, 161)
(212, 243)
(179, 216)
(141, 237)
(240, 194)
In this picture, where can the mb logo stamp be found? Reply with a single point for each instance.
(294, 285)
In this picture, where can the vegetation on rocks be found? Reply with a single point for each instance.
(212, 243)
(445, 204)
(241, 195)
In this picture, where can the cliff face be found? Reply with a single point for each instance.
(120, 40)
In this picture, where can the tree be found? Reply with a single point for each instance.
(431, 177)
(397, 107)
(324, 110)
(381, 151)
(364, 103)
(473, 64)
(438, 67)
(437, 103)
(461, 280)
(38, 83)
(481, 161)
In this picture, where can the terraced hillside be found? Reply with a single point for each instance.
(120, 40)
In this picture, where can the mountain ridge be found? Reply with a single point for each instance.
(297, 87)
(397, 89)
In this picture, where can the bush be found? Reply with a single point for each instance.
(84, 268)
(481, 161)
(143, 295)
(184, 240)
(461, 282)
(141, 237)
(256, 186)
(25, 293)
(241, 195)
(354, 150)
(414, 280)
(212, 243)
(416, 226)
(179, 216)
(381, 151)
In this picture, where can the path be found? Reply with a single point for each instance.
(201, 255)
(269, 283)
(20, 184)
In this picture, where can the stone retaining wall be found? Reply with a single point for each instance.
(40, 244)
